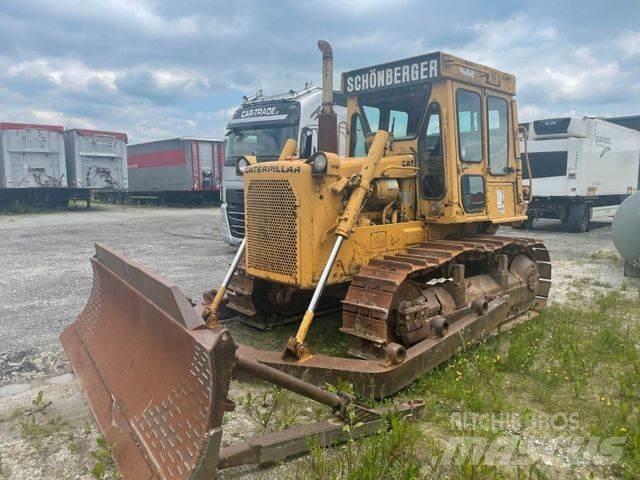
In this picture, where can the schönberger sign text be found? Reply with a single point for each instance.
(395, 74)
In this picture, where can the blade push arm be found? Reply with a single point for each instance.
(295, 346)
(212, 320)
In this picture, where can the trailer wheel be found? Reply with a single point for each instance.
(532, 218)
(579, 218)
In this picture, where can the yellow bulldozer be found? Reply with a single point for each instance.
(398, 236)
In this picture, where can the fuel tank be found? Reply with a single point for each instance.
(626, 234)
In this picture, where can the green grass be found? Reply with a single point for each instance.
(391, 454)
(37, 430)
(581, 363)
(606, 256)
(273, 409)
(104, 466)
(15, 413)
(570, 374)
(324, 337)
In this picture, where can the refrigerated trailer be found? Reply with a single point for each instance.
(32, 164)
(582, 169)
(184, 168)
(96, 159)
(629, 121)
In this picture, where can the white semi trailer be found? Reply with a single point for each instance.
(260, 127)
(582, 169)
(32, 165)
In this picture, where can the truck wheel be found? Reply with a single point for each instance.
(579, 218)
(532, 218)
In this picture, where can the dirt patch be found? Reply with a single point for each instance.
(32, 364)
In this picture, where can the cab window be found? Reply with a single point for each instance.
(431, 157)
(469, 114)
(358, 146)
(473, 198)
(397, 110)
(498, 135)
(398, 123)
(373, 118)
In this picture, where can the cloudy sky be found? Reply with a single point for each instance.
(158, 68)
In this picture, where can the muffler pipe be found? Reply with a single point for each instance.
(327, 119)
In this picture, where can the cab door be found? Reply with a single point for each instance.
(435, 169)
(470, 149)
(501, 178)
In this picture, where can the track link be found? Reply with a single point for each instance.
(371, 292)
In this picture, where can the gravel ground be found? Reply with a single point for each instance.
(47, 278)
(47, 275)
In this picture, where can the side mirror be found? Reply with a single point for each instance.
(306, 142)
(242, 162)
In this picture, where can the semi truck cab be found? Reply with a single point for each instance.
(260, 127)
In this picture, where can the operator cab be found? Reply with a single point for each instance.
(459, 121)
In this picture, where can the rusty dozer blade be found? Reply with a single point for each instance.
(155, 376)
(157, 380)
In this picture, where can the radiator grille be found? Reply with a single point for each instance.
(271, 227)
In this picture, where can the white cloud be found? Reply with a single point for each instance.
(143, 17)
(162, 68)
(70, 74)
(356, 7)
(552, 71)
(629, 43)
(58, 118)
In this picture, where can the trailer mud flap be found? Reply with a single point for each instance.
(156, 378)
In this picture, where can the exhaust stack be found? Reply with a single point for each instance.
(327, 119)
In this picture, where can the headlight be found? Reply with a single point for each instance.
(241, 164)
(318, 162)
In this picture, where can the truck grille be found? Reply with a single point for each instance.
(272, 227)
(235, 216)
(235, 211)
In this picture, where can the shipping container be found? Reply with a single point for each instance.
(32, 156)
(185, 164)
(96, 159)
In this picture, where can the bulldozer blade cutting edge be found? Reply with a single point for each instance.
(156, 378)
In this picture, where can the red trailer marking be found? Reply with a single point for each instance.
(25, 126)
(214, 173)
(217, 164)
(195, 165)
(85, 132)
(166, 158)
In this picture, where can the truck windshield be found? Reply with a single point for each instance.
(265, 142)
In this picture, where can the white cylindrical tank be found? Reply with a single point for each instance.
(626, 234)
